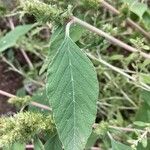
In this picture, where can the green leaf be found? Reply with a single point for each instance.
(141, 124)
(72, 89)
(19, 146)
(91, 140)
(56, 40)
(53, 143)
(136, 7)
(146, 20)
(143, 114)
(139, 9)
(40, 97)
(119, 146)
(144, 78)
(38, 145)
(16, 146)
(11, 37)
(145, 95)
(141, 147)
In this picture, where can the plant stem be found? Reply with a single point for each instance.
(22, 51)
(128, 20)
(109, 37)
(95, 148)
(32, 103)
(109, 7)
(29, 146)
(121, 90)
(126, 129)
(21, 72)
(143, 85)
(27, 59)
(41, 106)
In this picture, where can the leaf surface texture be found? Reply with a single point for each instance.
(72, 90)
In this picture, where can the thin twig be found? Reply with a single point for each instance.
(96, 148)
(121, 90)
(41, 106)
(22, 50)
(128, 20)
(134, 25)
(143, 85)
(30, 146)
(109, 7)
(126, 129)
(109, 37)
(21, 72)
(27, 58)
(32, 103)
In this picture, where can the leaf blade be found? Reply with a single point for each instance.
(119, 146)
(11, 37)
(70, 101)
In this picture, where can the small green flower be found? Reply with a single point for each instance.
(102, 128)
(20, 101)
(44, 12)
(23, 126)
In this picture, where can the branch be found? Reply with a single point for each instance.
(109, 37)
(143, 85)
(22, 51)
(32, 103)
(126, 129)
(128, 20)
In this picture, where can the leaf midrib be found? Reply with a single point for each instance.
(73, 92)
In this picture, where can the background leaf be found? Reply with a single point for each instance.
(40, 97)
(72, 89)
(143, 114)
(38, 145)
(146, 20)
(16, 146)
(91, 140)
(119, 146)
(53, 143)
(136, 7)
(11, 37)
(139, 9)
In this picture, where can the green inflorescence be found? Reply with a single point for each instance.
(20, 101)
(23, 126)
(102, 128)
(44, 12)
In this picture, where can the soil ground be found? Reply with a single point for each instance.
(10, 82)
